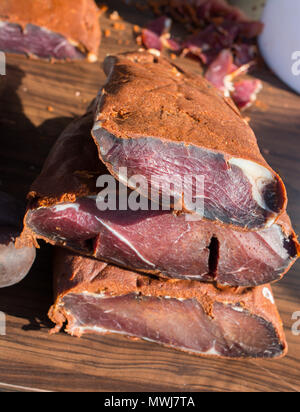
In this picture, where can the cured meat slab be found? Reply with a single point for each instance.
(112, 362)
(65, 210)
(57, 29)
(15, 262)
(93, 297)
(174, 126)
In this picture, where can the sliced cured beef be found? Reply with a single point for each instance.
(65, 210)
(157, 35)
(245, 93)
(152, 35)
(57, 29)
(175, 127)
(167, 245)
(15, 262)
(200, 319)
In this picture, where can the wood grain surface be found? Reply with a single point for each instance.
(39, 100)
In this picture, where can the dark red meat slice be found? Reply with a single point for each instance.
(15, 262)
(244, 54)
(206, 45)
(173, 127)
(160, 26)
(199, 319)
(232, 195)
(245, 93)
(180, 324)
(222, 71)
(151, 40)
(157, 35)
(161, 243)
(36, 41)
(219, 70)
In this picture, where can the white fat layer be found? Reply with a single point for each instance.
(210, 352)
(108, 144)
(96, 329)
(268, 295)
(258, 176)
(154, 52)
(126, 241)
(65, 206)
(254, 94)
(97, 126)
(237, 309)
(102, 295)
(170, 297)
(271, 222)
(229, 87)
(277, 246)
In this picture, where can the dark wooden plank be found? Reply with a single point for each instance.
(38, 102)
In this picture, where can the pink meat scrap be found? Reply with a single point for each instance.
(224, 41)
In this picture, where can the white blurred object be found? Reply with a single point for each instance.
(280, 41)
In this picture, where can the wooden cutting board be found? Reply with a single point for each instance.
(39, 100)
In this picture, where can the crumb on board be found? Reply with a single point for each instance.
(50, 109)
(114, 16)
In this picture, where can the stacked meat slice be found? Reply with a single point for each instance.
(191, 282)
(52, 29)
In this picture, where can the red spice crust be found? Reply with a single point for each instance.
(206, 118)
